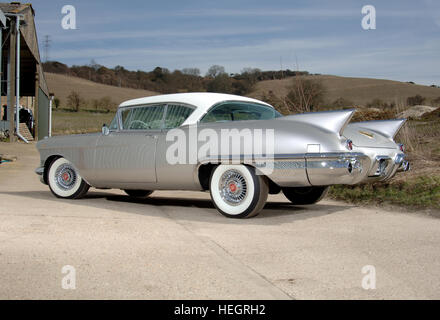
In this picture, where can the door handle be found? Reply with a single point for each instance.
(151, 136)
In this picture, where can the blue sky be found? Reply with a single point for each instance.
(318, 36)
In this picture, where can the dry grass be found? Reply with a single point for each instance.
(62, 86)
(358, 90)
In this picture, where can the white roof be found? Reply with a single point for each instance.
(201, 100)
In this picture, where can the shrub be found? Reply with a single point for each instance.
(221, 83)
(75, 101)
(367, 115)
(56, 102)
(341, 103)
(415, 100)
(103, 104)
(378, 103)
(305, 95)
(436, 101)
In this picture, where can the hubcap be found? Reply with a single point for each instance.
(233, 187)
(65, 177)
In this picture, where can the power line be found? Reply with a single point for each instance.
(46, 45)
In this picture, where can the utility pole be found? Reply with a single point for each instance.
(281, 66)
(46, 45)
(11, 81)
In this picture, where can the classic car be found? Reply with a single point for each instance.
(307, 152)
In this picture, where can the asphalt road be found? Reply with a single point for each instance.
(176, 246)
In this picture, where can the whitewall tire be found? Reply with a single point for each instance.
(64, 180)
(305, 195)
(237, 192)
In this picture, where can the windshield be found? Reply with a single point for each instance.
(114, 124)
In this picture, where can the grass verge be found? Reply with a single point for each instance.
(422, 192)
(67, 122)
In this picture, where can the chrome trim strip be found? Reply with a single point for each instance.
(39, 171)
(306, 168)
(285, 156)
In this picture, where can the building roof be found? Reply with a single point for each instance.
(201, 100)
(30, 54)
(14, 7)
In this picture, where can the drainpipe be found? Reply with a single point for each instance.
(17, 84)
(50, 113)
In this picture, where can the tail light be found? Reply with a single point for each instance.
(401, 147)
(349, 144)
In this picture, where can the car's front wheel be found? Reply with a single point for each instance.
(138, 193)
(64, 180)
(305, 195)
(237, 192)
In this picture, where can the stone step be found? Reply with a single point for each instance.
(24, 131)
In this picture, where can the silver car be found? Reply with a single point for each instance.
(156, 143)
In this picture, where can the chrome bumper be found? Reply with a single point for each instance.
(384, 167)
(319, 169)
(337, 168)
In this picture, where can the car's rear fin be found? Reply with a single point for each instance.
(334, 121)
(388, 128)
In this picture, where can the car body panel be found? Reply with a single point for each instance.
(126, 156)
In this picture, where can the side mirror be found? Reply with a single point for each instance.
(105, 130)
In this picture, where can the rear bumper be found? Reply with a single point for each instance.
(337, 168)
(323, 169)
(385, 167)
(319, 169)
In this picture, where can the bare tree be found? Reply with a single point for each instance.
(215, 70)
(251, 75)
(74, 100)
(94, 65)
(56, 102)
(305, 95)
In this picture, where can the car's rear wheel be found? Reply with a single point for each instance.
(305, 195)
(138, 193)
(237, 192)
(65, 181)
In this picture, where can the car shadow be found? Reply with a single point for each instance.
(203, 210)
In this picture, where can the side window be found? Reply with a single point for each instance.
(143, 118)
(176, 115)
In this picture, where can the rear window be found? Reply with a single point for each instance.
(239, 111)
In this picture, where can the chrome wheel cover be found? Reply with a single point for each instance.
(65, 177)
(233, 187)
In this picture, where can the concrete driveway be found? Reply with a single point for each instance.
(175, 245)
